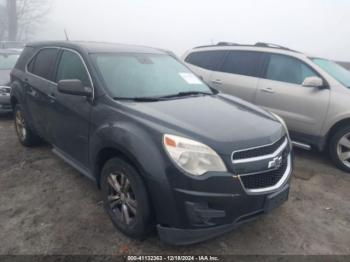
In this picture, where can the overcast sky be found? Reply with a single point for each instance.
(317, 27)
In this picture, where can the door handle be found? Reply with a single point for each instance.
(52, 97)
(268, 90)
(217, 81)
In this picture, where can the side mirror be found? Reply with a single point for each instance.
(313, 81)
(74, 87)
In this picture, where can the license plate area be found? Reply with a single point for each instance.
(276, 199)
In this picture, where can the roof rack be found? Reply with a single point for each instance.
(258, 44)
(226, 43)
(11, 45)
(262, 44)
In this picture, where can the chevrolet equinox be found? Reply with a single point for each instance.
(166, 150)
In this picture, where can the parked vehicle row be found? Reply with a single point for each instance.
(8, 58)
(311, 94)
(166, 150)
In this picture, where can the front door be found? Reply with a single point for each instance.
(71, 113)
(281, 91)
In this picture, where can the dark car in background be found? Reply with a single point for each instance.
(165, 149)
(8, 59)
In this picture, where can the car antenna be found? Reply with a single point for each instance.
(65, 32)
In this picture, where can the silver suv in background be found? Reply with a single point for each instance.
(311, 94)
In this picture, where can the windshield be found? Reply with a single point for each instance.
(335, 70)
(7, 61)
(146, 75)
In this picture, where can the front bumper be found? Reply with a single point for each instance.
(180, 236)
(203, 207)
(5, 104)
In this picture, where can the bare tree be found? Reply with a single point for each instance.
(12, 20)
(3, 22)
(24, 16)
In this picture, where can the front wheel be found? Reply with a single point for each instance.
(125, 198)
(340, 148)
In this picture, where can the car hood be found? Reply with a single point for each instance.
(4, 77)
(223, 122)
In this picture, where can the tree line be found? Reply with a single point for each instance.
(19, 19)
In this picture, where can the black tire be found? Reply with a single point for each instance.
(141, 224)
(335, 151)
(26, 136)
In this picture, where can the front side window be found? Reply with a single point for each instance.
(337, 71)
(8, 61)
(146, 75)
(288, 69)
(43, 63)
(242, 63)
(71, 67)
(206, 59)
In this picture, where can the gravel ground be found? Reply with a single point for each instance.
(46, 207)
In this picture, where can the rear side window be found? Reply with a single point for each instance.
(71, 67)
(43, 63)
(288, 69)
(25, 56)
(206, 59)
(242, 63)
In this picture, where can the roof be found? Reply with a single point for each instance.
(100, 47)
(258, 47)
(258, 44)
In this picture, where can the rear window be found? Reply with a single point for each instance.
(206, 59)
(8, 61)
(242, 63)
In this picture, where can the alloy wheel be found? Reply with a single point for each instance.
(20, 125)
(343, 150)
(121, 198)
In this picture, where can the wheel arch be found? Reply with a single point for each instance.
(340, 124)
(108, 153)
(14, 101)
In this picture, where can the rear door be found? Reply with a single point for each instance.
(238, 75)
(38, 90)
(281, 91)
(70, 114)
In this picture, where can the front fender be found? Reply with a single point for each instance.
(144, 148)
(132, 141)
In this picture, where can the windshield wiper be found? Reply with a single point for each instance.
(139, 99)
(188, 93)
(158, 98)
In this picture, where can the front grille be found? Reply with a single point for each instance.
(259, 151)
(264, 180)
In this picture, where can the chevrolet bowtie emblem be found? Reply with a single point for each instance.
(275, 163)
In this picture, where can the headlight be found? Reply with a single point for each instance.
(5, 90)
(192, 156)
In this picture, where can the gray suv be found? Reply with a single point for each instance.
(311, 94)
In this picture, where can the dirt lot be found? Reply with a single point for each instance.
(46, 207)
